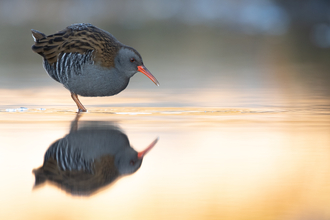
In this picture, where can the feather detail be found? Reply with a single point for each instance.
(72, 172)
(78, 182)
(37, 35)
(77, 38)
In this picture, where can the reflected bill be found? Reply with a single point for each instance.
(89, 158)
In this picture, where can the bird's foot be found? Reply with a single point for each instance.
(82, 110)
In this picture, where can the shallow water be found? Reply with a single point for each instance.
(238, 140)
(209, 163)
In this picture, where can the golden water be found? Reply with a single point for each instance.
(247, 138)
(209, 163)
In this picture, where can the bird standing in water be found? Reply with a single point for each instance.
(88, 61)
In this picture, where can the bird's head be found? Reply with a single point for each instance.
(128, 61)
(129, 161)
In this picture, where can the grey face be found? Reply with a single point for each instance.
(127, 161)
(127, 61)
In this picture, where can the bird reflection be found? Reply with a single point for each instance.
(89, 157)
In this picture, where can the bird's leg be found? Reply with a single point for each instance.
(80, 106)
(74, 124)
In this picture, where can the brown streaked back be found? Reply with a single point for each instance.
(78, 38)
(78, 182)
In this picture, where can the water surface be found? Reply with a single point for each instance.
(243, 126)
(209, 163)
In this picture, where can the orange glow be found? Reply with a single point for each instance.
(221, 166)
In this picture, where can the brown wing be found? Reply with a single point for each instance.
(77, 38)
(79, 182)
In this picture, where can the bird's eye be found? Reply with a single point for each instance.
(132, 60)
(132, 162)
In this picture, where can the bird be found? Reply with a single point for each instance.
(89, 158)
(88, 61)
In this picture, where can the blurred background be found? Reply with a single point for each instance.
(261, 151)
(217, 53)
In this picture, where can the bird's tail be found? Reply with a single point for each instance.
(37, 36)
(39, 177)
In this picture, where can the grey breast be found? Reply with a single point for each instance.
(79, 74)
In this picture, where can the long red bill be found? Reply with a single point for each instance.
(142, 153)
(146, 72)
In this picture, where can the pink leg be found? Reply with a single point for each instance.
(80, 106)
